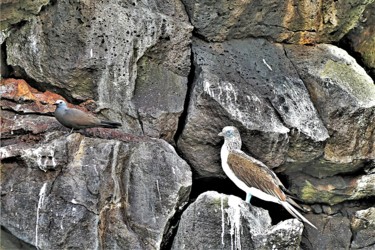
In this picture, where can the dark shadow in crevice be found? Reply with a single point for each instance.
(169, 235)
(5, 69)
(346, 45)
(183, 117)
(9, 241)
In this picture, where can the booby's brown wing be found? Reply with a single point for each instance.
(255, 174)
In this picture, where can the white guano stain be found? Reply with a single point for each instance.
(157, 186)
(116, 189)
(234, 220)
(268, 66)
(42, 194)
(222, 222)
(228, 96)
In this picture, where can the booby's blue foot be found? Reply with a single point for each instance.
(248, 197)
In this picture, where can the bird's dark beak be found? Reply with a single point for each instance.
(55, 104)
(220, 134)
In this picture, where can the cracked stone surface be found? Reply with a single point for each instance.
(218, 221)
(250, 84)
(15, 11)
(301, 22)
(361, 39)
(119, 195)
(95, 47)
(306, 111)
(363, 227)
(324, 238)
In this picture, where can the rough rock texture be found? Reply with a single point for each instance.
(361, 39)
(363, 228)
(324, 238)
(251, 84)
(306, 111)
(344, 96)
(335, 230)
(333, 190)
(218, 221)
(300, 22)
(91, 49)
(14, 11)
(159, 97)
(118, 195)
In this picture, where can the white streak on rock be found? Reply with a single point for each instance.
(222, 222)
(157, 186)
(42, 194)
(227, 95)
(116, 190)
(365, 187)
(234, 219)
(268, 66)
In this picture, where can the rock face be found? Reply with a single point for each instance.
(159, 97)
(14, 11)
(283, 21)
(95, 48)
(175, 73)
(333, 190)
(119, 195)
(361, 39)
(217, 221)
(325, 239)
(344, 96)
(238, 78)
(363, 226)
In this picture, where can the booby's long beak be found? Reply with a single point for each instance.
(220, 134)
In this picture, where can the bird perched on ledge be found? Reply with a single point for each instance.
(252, 176)
(77, 119)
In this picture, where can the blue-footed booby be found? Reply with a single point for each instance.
(77, 119)
(252, 176)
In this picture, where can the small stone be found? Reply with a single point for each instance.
(317, 208)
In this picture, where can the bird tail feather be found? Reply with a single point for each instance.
(292, 202)
(295, 213)
(110, 124)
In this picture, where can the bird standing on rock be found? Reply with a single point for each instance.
(77, 119)
(253, 176)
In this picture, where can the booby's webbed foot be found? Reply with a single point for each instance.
(248, 197)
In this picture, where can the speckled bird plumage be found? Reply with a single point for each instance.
(252, 176)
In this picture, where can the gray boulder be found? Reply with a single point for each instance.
(15, 11)
(218, 221)
(334, 232)
(344, 96)
(363, 228)
(118, 195)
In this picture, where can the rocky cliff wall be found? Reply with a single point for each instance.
(296, 78)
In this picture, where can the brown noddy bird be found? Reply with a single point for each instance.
(77, 119)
